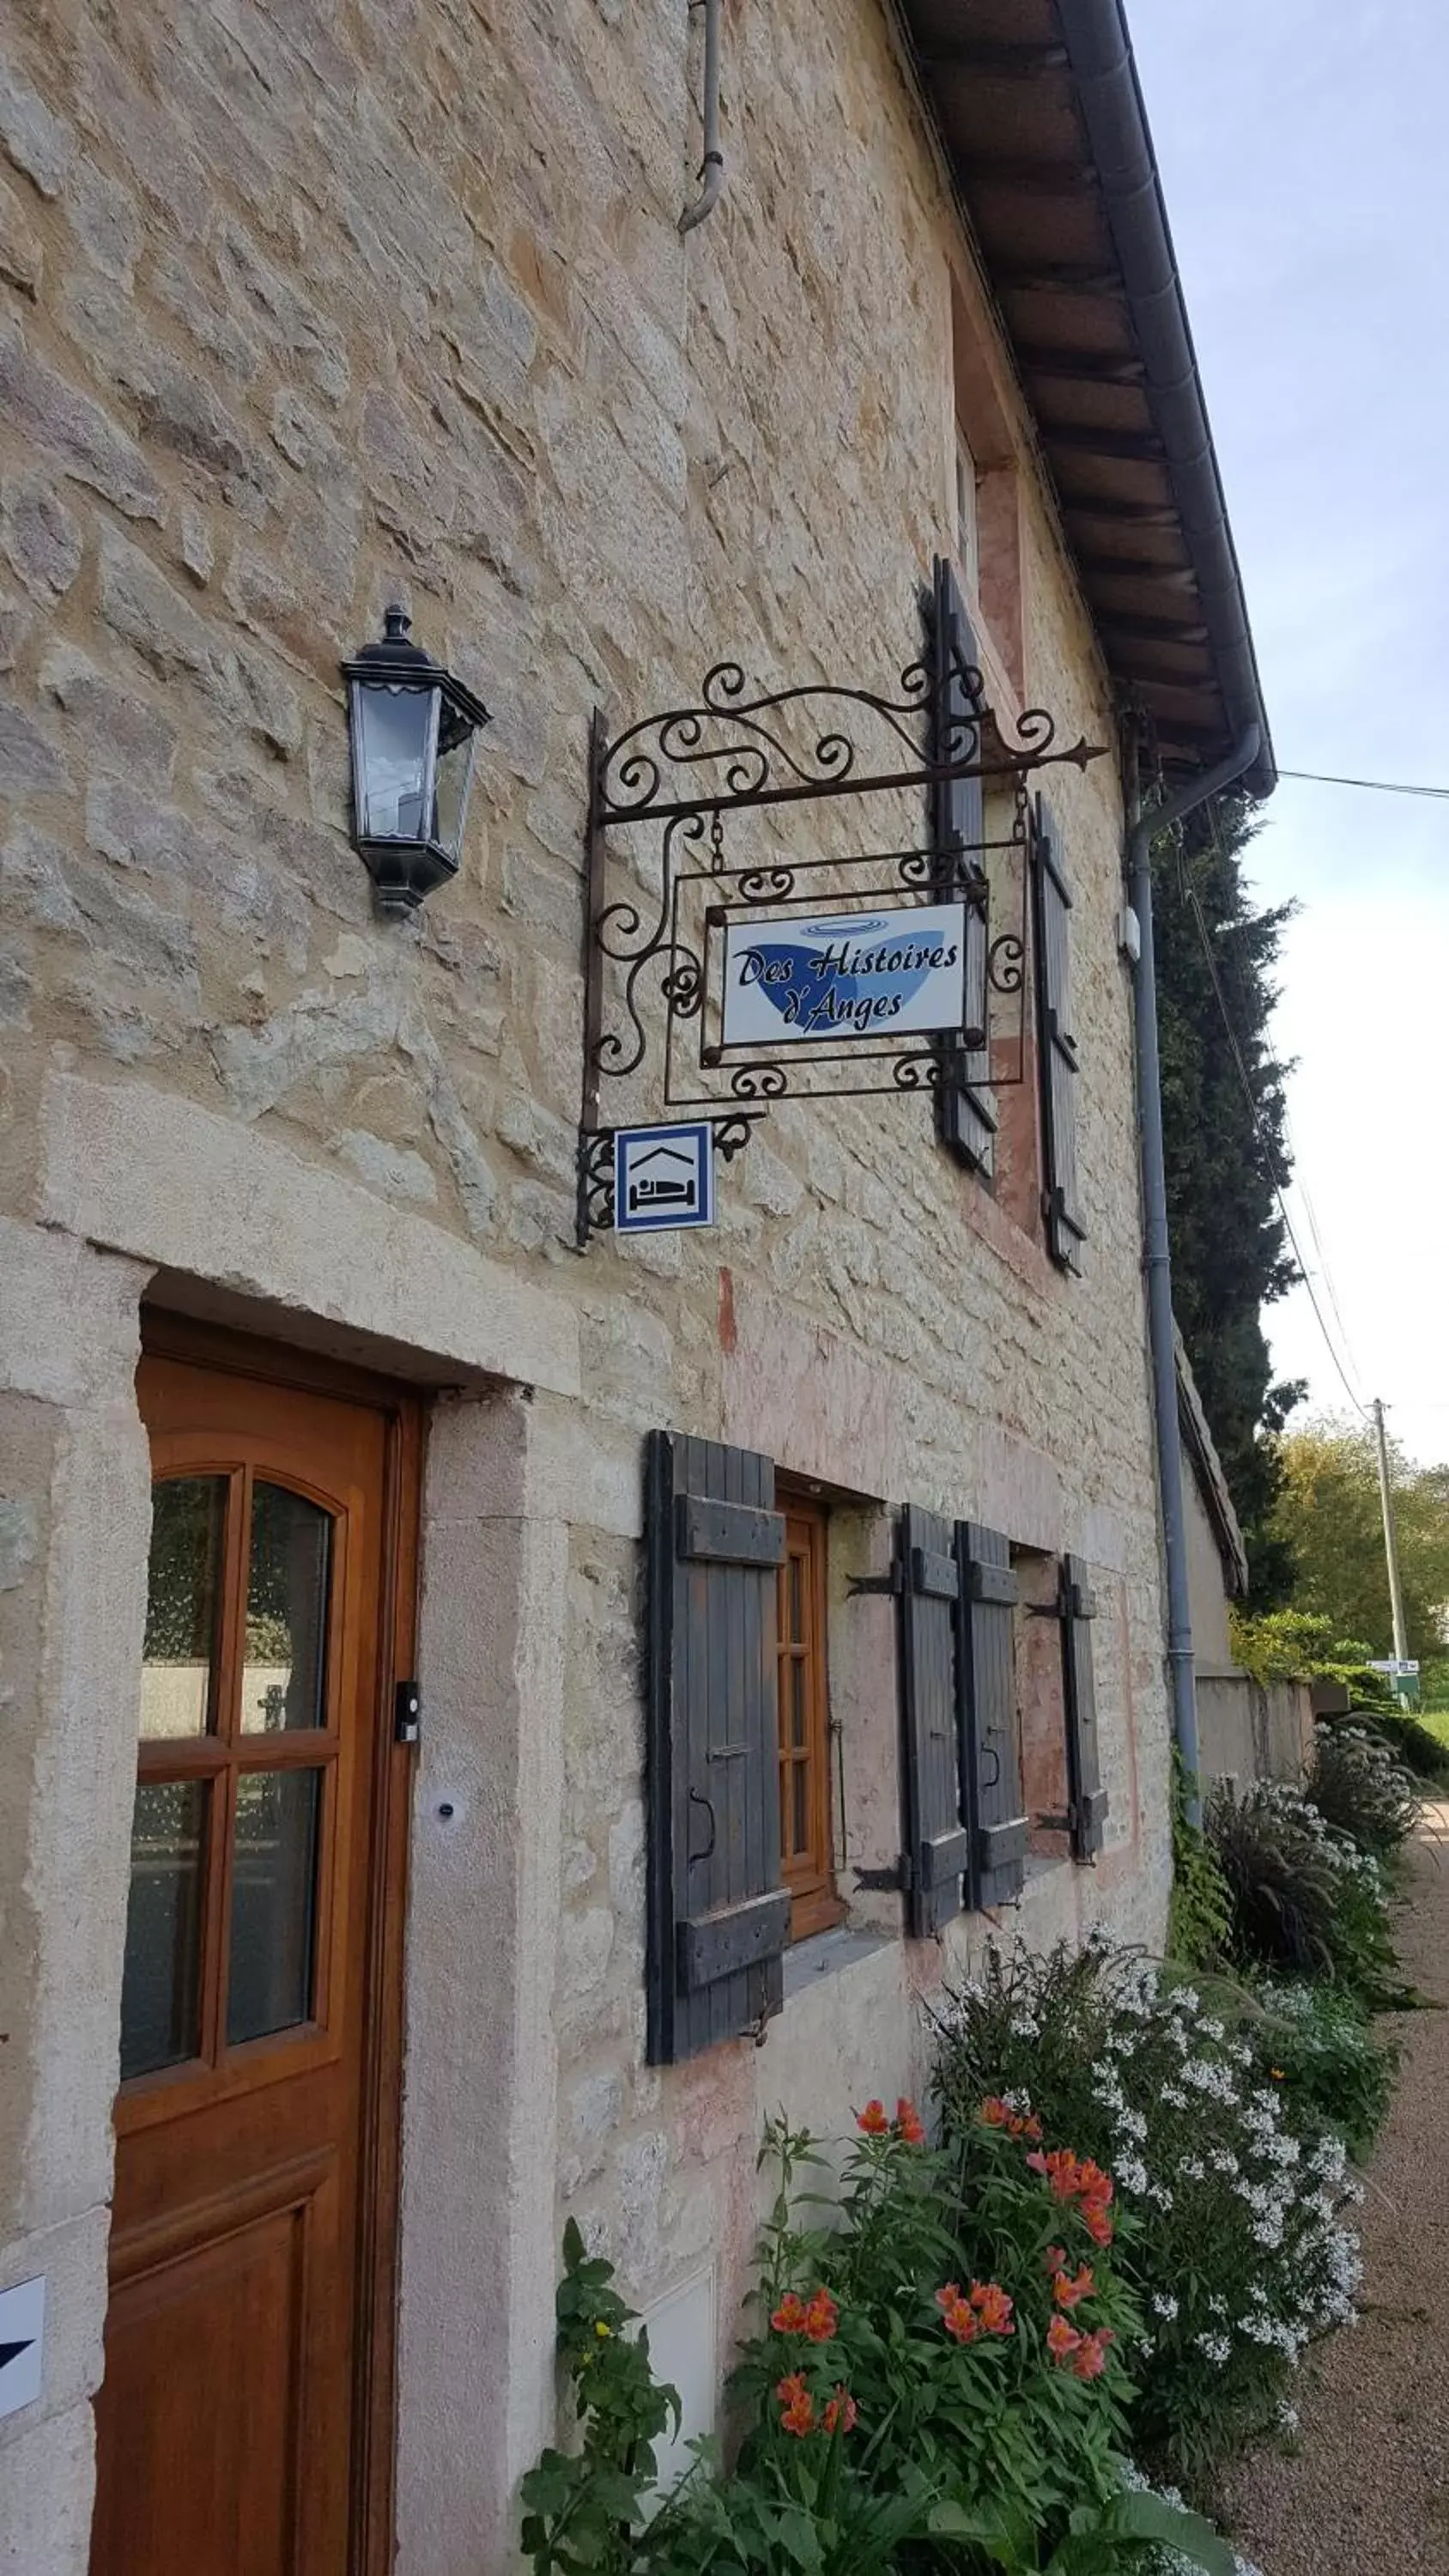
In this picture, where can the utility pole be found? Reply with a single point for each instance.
(1391, 1538)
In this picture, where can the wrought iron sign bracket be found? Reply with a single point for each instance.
(666, 800)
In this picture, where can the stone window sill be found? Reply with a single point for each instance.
(826, 1953)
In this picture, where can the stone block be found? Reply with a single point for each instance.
(42, 407)
(22, 260)
(40, 536)
(36, 140)
(120, 728)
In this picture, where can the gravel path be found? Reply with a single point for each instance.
(1368, 2492)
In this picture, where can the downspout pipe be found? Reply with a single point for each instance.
(712, 167)
(1161, 818)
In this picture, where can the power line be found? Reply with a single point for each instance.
(1377, 786)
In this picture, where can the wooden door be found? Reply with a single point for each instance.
(247, 2341)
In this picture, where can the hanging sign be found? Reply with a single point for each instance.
(663, 1177)
(886, 974)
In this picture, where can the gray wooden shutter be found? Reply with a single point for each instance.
(1056, 1044)
(938, 1848)
(1088, 1798)
(718, 1916)
(993, 1748)
(965, 1111)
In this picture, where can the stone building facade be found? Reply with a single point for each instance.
(310, 309)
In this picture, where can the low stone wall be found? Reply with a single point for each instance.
(1251, 1731)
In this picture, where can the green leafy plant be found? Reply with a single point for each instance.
(892, 2421)
(1200, 1912)
(1360, 1788)
(1230, 2234)
(581, 2509)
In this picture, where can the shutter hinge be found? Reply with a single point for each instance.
(893, 1581)
(898, 1880)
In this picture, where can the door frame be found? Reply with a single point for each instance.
(167, 1335)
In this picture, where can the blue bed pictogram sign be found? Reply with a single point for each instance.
(663, 1178)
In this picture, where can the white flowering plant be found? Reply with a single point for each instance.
(1233, 2237)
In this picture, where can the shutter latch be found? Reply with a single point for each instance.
(407, 1713)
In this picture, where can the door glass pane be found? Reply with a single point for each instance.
(188, 1518)
(797, 1607)
(796, 1669)
(160, 1994)
(273, 1902)
(284, 1675)
(801, 1807)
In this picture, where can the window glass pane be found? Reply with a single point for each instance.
(188, 1518)
(273, 1902)
(160, 1993)
(284, 1674)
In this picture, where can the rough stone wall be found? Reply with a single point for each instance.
(313, 305)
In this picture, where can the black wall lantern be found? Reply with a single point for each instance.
(414, 729)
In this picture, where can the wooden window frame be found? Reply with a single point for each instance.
(809, 1874)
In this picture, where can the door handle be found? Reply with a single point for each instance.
(696, 1799)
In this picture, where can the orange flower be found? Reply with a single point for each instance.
(789, 2317)
(1067, 2291)
(840, 2410)
(1056, 2258)
(994, 2112)
(1030, 2127)
(821, 2317)
(1097, 2224)
(873, 2120)
(797, 2404)
(993, 2307)
(1090, 2359)
(1062, 2340)
(957, 2314)
(909, 2124)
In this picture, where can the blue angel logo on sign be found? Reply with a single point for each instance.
(891, 974)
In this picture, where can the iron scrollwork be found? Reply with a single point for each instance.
(687, 773)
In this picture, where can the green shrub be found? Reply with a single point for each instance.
(1305, 1900)
(1230, 2236)
(1361, 1789)
(1415, 1744)
(1300, 1646)
(1317, 2044)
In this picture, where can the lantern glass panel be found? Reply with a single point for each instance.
(457, 742)
(396, 731)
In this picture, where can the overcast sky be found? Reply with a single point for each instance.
(1304, 158)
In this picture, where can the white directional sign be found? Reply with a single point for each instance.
(893, 973)
(22, 2344)
(663, 1177)
(1403, 1667)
